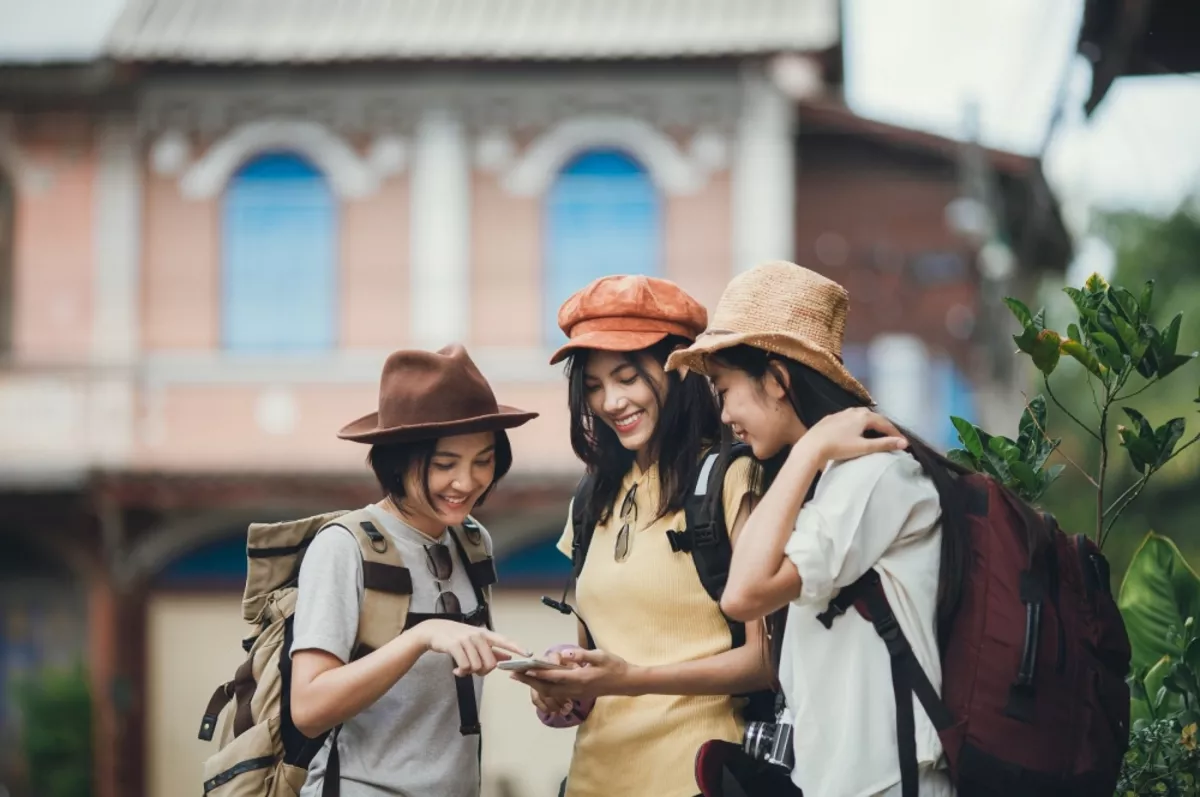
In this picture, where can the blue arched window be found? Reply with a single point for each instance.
(278, 257)
(603, 216)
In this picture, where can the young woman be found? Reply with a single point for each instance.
(663, 669)
(883, 501)
(438, 448)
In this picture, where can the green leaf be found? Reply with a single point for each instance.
(1024, 317)
(1032, 426)
(1005, 449)
(1080, 353)
(1047, 448)
(1078, 297)
(1073, 332)
(1053, 472)
(999, 453)
(1039, 319)
(1137, 686)
(1027, 340)
(1134, 346)
(1147, 299)
(1046, 351)
(1095, 284)
(1169, 341)
(968, 434)
(1116, 327)
(1142, 453)
(1144, 429)
(1153, 684)
(1165, 438)
(1192, 654)
(1170, 364)
(1148, 365)
(1160, 590)
(1108, 350)
(1030, 482)
(963, 458)
(1126, 304)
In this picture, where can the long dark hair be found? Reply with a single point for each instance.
(688, 423)
(814, 396)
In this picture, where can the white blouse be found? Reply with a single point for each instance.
(878, 511)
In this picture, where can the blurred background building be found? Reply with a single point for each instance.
(217, 218)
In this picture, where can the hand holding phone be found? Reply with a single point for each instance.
(526, 664)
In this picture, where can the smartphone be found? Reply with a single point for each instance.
(523, 665)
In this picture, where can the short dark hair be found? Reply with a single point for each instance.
(391, 462)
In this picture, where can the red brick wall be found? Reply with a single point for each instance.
(865, 216)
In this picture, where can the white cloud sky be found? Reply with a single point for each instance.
(919, 62)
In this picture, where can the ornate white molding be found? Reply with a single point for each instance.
(351, 176)
(170, 153)
(673, 171)
(494, 150)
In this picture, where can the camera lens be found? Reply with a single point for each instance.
(759, 740)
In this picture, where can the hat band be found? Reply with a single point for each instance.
(832, 351)
(631, 324)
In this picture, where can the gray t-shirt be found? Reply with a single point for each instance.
(407, 743)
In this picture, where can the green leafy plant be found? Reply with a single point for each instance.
(1160, 601)
(1020, 464)
(1115, 341)
(56, 735)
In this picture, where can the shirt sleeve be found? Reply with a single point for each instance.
(737, 486)
(330, 595)
(861, 507)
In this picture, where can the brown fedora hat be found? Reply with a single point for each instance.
(424, 395)
(784, 309)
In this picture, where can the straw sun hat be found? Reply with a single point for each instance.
(784, 309)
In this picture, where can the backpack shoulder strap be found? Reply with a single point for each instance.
(705, 535)
(477, 560)
(582, 526)
(387, 584)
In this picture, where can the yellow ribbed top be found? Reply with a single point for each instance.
(651, 610)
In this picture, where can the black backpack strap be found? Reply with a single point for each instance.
(482, 575)
(705, 535)
(908, 677)
(331, 783)
(582, 526)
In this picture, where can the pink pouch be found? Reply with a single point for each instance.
(580, 709)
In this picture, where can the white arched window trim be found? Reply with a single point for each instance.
(673, 171)
(350, 175)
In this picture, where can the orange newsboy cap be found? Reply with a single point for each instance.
(627, 313)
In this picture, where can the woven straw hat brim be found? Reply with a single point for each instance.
(781, 343)
(366, 429)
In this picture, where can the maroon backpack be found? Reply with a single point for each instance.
(1034, 699)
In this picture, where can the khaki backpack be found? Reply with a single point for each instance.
(260, 751)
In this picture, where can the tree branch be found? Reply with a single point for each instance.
(1103, 437)
(1137, 392)
(1059, 404)
(1122, 503)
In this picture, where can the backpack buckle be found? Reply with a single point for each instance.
(889, 631)
(681, 541)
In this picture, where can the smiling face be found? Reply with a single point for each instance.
(461, 468)
(757, 410)
(623, 399)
